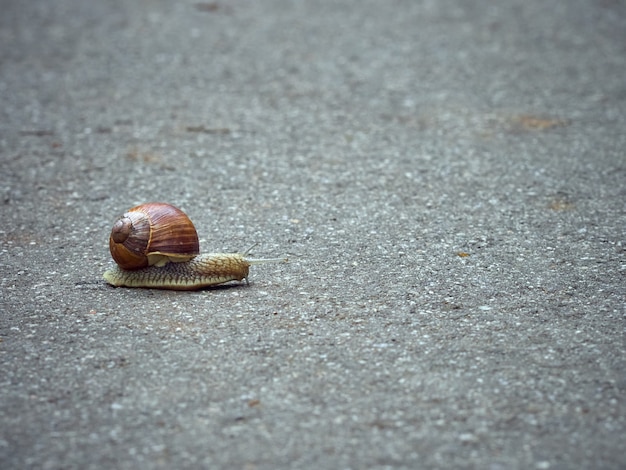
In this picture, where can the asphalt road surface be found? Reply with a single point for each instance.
(447, 179)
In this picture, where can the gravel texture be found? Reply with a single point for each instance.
(447, 178)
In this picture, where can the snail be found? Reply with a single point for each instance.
(156, 245)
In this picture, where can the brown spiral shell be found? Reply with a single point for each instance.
(154, 233)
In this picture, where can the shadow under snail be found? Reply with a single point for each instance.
(155, 245)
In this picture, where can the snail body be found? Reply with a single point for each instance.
(155, 245)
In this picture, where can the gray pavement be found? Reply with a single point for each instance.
(448, 179)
